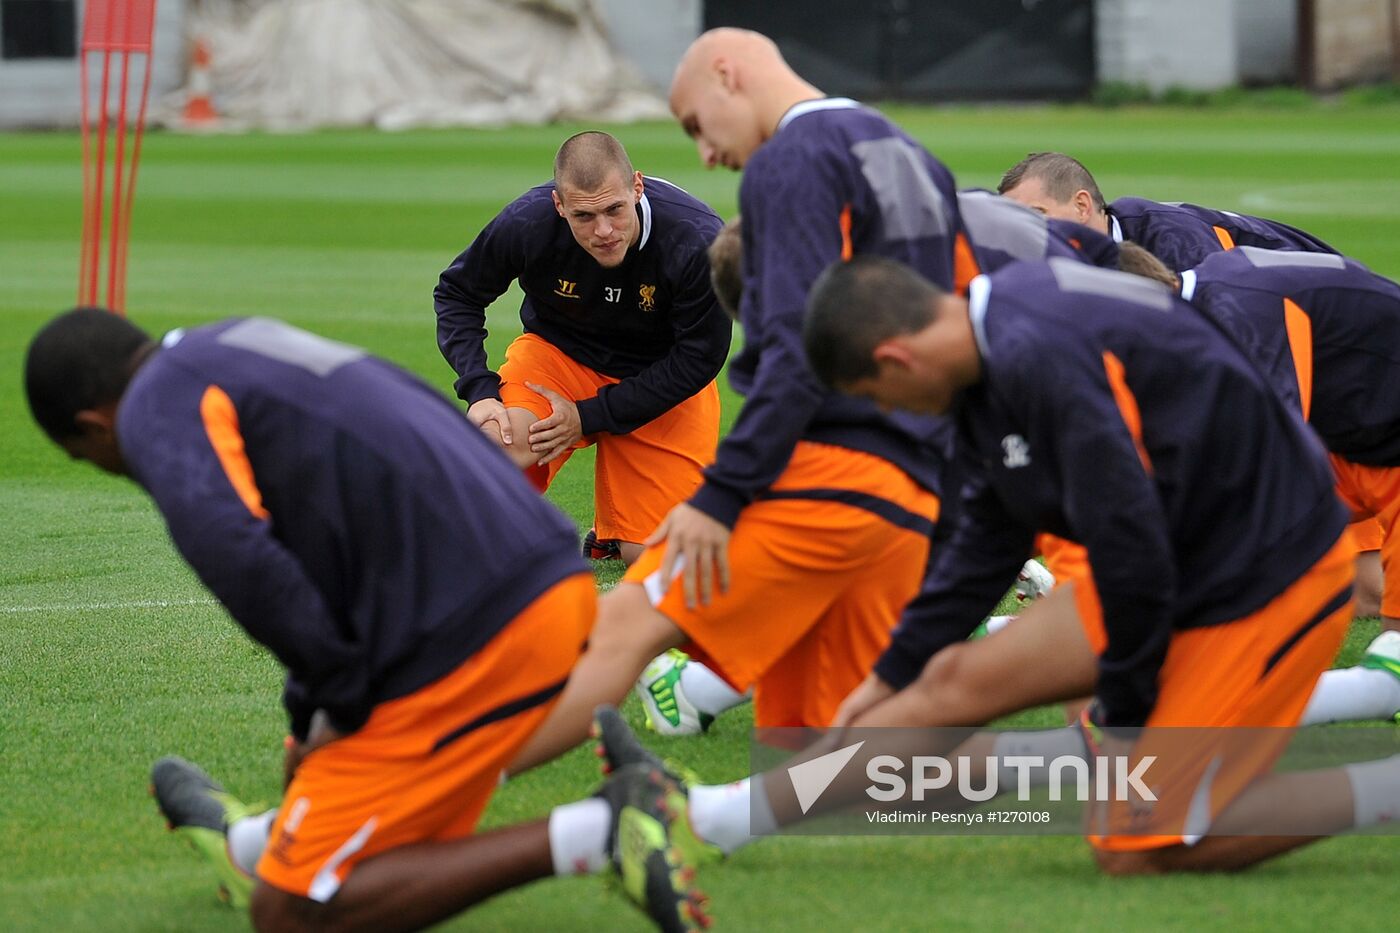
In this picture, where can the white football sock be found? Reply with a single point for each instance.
(1048, 744)
(707, 691)
(731, 815)
(578, 836)
(1351, 694)
(997, 623)
(247, 838)
(1375, 791)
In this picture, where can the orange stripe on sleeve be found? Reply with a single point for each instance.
(965, 267)
(1224, 237)
(847, 250)
(1127, 404)
(1299, 327)
(221, 425)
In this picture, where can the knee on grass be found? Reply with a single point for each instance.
(1202, 858)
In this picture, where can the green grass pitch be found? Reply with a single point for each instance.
(111, 654)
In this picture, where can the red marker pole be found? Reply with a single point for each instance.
(121, 29)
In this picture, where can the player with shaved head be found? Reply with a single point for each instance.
(623, 336)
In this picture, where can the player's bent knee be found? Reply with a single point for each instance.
(946, 672)
(957, 687)
(630, 626)
(1369, 585)
(274, 911)
(521, 455)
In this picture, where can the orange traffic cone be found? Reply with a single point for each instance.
(199, 107)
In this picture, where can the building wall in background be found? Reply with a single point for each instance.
(1184, 43)
(1200, 44)
(44, 92)
(1352, 41)
(951, 50)
(1267, 36)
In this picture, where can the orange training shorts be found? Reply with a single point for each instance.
(820, 569)
(1245, 683)
(639, 476)
(423, 767)
(1063, 558)
(1367, 533)
(1374, 492)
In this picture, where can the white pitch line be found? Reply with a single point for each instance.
(104, 607)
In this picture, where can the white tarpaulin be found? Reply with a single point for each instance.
(295, 64)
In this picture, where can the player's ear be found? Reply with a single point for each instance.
(96, 423)
(728, 75)
(893, 353)
(558, 204)
(637, 186)
(1083, 206)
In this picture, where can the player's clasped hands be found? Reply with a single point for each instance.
(697, 547)
(551, 437)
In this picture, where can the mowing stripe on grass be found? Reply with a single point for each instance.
(108, 606)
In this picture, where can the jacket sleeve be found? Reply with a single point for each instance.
(977, 551)
(793, 233)
(702, 332)
(475, 279)
(1113, 508)
(227, 538)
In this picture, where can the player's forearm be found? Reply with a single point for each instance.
(268, 593)
(461, 336)
(755, 453)
(961, 590)
(1138, 623)
(639, 399)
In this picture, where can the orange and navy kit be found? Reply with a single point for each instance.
(831, 502)
(1183, 235)
(1319, 326)
(1155, 443)
(999, 231)
(414, 586)
(1220, 570)
(636, 347)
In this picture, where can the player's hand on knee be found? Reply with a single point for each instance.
(697, 547)
(553, 436)
(490, 416)
(872, 692)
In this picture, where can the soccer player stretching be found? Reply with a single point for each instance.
(427, 604)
